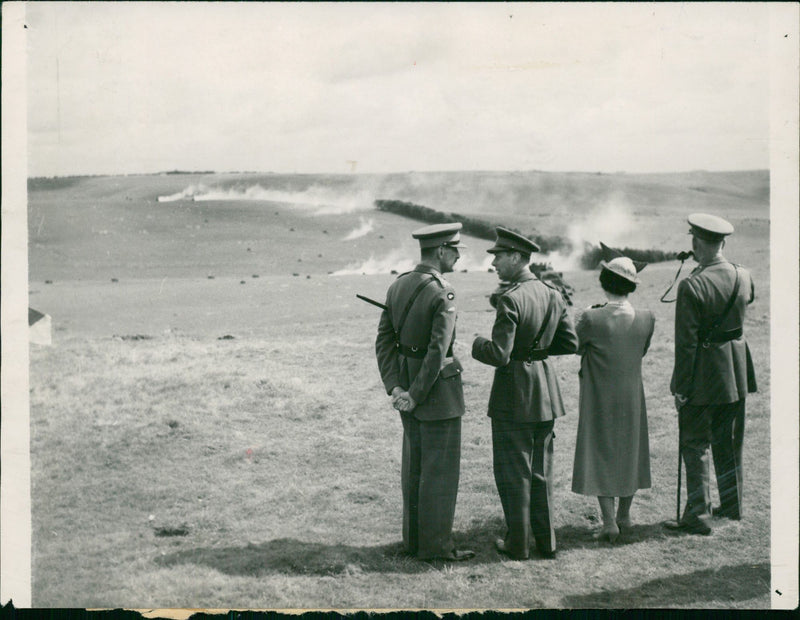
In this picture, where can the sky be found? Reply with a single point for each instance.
(118, 88)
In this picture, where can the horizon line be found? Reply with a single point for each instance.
(354, 174)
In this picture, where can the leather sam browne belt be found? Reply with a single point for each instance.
(726, 336)
(415, 352)
(535, 355)
(419, 353)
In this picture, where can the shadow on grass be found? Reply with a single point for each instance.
(580, 537)
(296, 557)
(725, 585)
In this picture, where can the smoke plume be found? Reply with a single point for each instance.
(404, 259)
(610, 224)
(365, 227)
(322, 200)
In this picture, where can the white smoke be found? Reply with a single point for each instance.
(365, 227)
(396, 260)
(189, 193)
(402, 260)
(324, 200)
(610, 224)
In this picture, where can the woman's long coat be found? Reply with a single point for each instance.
(612, 454)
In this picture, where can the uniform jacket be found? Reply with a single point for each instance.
(723, 372)
(526, 391)
(433, 381)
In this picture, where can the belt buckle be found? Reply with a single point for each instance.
(414, 349)
(706, 344)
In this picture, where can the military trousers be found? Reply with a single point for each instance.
(430, 472)
(720, 428)
(523, 470)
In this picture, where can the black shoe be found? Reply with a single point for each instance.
(548, 555)
(695, 526)
(725, 513)
(500, 545)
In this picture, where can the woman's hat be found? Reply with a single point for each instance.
(623, 267)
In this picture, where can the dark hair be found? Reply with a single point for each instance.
(614, 284)
(428, 253)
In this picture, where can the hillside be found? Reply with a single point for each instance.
(246, 223)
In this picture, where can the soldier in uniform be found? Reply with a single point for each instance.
(531, 324)
(712, 375)
(414, 348)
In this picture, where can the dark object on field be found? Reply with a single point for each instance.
(241, 281)
(227, 337)
(135, 337)
(372, 301)
(172, 424)
(324, 232)
(291, 230)
(295, 274)
(48, 281)
(481, 229)
(554, 279)
(308, 277)
(255, 275)
(210, 277)
(393, 272)
(592, 255)
(249, 250)
(114, 280)
(181, 530)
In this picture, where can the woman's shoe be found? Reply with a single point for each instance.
(625, 525)
(607, 532)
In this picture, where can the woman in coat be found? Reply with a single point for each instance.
(612, 456)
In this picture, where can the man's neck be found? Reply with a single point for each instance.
(518, 273)
(712, 258)
(432, 263)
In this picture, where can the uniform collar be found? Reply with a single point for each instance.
(715, 261)
(523, 276)
(422, 268)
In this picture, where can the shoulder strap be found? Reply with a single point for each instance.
(715, 324)
(547, 316)
(410, 303)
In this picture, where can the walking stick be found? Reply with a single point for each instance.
(678, 503)
(676, 524)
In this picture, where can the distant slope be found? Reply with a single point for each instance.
(103, 226)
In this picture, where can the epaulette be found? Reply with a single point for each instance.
(513, 287)
(697, 270)
(440, 279)
(405, 273)
(598, 306)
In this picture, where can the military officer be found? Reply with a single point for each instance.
(531, 324)
(712, 374)
(414, 348)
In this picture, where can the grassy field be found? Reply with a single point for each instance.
(226, 442)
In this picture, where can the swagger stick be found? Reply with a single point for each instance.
(678, 504)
